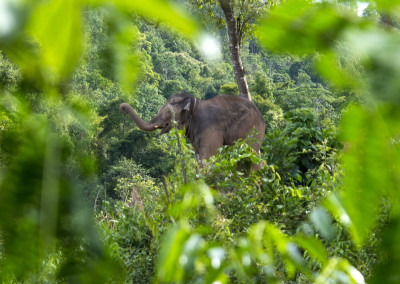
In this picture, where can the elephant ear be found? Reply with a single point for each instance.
(184, 115)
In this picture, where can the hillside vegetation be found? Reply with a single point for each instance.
(86, 196)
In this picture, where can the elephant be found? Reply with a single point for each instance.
(208, 124)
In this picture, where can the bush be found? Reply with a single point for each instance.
(300, 147)
(229, 88)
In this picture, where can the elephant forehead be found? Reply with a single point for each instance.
(165, 108)
(176, 100)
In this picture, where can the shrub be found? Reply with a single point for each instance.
(229, 88)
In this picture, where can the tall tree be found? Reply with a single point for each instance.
(239, 17)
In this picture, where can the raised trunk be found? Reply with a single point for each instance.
(143, 125)
(234, 47)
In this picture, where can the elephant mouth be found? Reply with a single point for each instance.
(165, 129)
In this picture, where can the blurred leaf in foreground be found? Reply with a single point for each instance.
(43, 213)
(43, 216)
(48, 35)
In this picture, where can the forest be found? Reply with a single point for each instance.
(88, 197)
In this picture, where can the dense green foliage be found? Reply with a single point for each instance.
(87, 197)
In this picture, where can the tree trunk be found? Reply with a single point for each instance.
(386, 21)
(234, 47)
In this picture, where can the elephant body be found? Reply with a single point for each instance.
(209, 124)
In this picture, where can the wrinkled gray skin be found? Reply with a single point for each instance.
(209, 123)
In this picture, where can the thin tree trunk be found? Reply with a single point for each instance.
(234, 47)
(386, 21)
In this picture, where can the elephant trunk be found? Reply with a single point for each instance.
(143, 125)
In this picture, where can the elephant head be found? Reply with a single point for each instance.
(179, 108)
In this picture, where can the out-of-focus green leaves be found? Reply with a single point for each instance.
(172, 259)
(370, 133)
(185, 253)
(51, 34)
(300, 26)
(44, 217)
(43, 208)
(328, 65)
(378, 50)
(160, 10)
(388, 270)
(314, 247)
(339, 271)
(194, 196)
(303, 27)
(264, 235)
(323, 222)
(56, 25)
(386, 5)
(371, 166)
(43, 212)
(122, 58)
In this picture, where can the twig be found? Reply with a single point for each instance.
(95, 200)
(165, 188)
(181, 154)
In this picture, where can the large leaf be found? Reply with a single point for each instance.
(57, 26)
(369, 171)
(303, 27)
(314, 247)
(43, 213)
(51, 44)
(300, 26)
(339, 270)
(160, 10)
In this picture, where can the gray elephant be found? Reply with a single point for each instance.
(209, 124)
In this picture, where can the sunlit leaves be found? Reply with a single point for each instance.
(264, 235)
(323, 222)
(194, 196)
(43, 212)
(370, 160)
(387, 270)
(303, 27)
(389, 6)
(172, 258)
(339, 271)
(185, 254)
(300, 27)
(57, 27)
(160, 10)
(51, 36)
(122, 59)
(378, 51)
(370, 171)
(313, 246)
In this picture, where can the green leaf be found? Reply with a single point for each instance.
(160, 10)
(369, 170)
(170, 258)
(339, 270)
(313, 246)
(322, 222)
(301, 26)
(57, 26)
